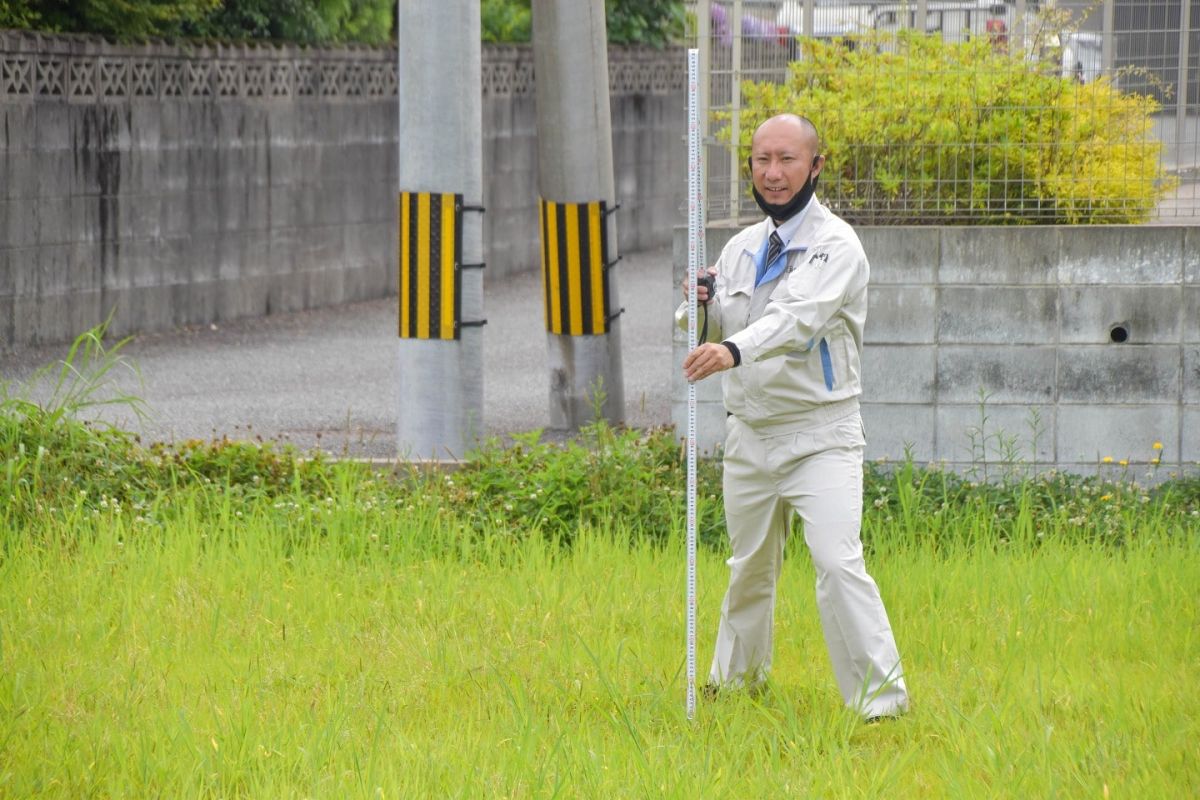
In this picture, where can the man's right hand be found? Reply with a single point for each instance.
(707, 359)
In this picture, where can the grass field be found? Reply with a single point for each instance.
(391, 657)
(221, 619)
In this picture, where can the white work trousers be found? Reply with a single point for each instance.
(814, 469)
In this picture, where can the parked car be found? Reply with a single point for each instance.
(954, 19)
(781, 23)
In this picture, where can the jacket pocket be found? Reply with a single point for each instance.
(827, 366)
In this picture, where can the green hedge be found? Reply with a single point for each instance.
(917, 130)
(313, 22)
(53, 462)
(301, 21)
(650, 22)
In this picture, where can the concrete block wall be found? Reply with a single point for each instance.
(1034, 346)
(178, 186)
(157, 185)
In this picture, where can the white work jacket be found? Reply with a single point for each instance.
(800, 335)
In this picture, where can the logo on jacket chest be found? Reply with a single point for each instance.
(820, 255)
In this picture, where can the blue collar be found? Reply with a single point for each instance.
(787, 231)
(765, 273)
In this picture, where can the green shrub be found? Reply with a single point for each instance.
(47, 450)
(53, 462)
(917, 130)
(123, 19)
(606, 476)
(656, 23)
(18, 14)
(650, 22)
(311, 22)
(506, 20)
(54, 457)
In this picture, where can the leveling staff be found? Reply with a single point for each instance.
(788, 309)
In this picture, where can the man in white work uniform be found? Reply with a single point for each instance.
(785, 324)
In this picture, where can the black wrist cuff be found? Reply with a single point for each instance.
(733, 351)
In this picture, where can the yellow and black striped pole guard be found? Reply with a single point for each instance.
(574, 267)
(431, 265)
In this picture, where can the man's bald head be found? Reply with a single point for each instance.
(790, 124)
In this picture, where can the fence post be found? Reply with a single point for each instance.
(1019, 31)
(1107, 56)
(1181, 92)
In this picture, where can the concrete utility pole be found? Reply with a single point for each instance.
(440, 412)
(575, 166)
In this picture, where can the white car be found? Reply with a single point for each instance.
(954, 19)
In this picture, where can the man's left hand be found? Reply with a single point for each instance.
(707, 359)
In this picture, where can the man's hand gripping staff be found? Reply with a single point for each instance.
(708, 358)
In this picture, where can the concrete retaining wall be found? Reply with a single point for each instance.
(186, 185)
(991, 345)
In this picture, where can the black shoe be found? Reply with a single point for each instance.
(712, 691)
(878, 718)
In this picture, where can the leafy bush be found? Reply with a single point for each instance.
(506, 20)
(918, 130)
(125, 19)
(951, 511)
(53, 458)
(624, 481)
(606, 476)
(310, 22)
(48, 450)
(650, 22)
(18, 14)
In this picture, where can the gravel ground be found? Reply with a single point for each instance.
(328, 378)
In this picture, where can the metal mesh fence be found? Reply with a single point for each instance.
(1080, 112)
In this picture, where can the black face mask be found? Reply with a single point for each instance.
(782, 212)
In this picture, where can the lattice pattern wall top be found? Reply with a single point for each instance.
(84, 69)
